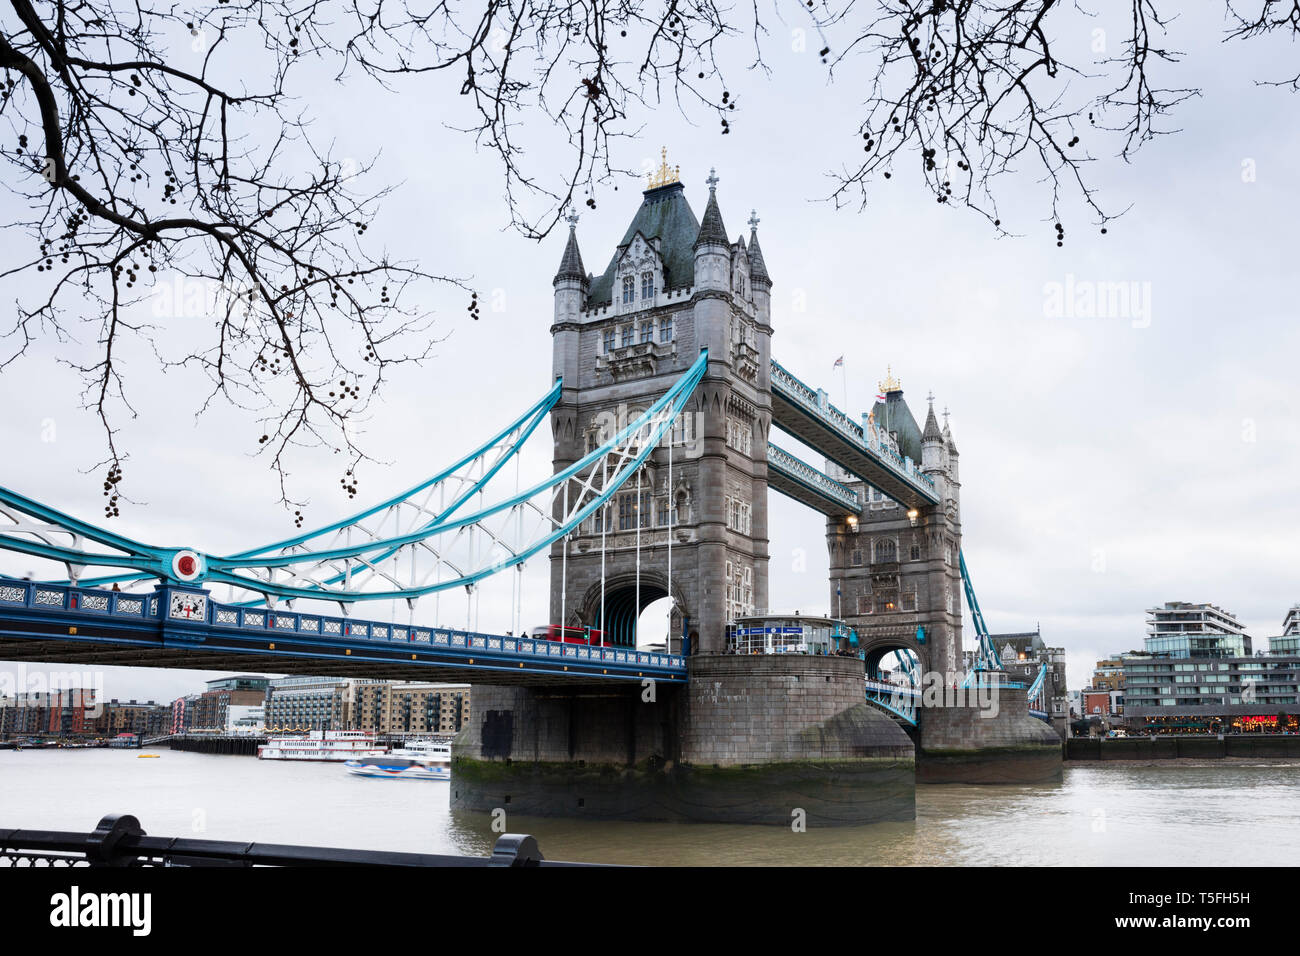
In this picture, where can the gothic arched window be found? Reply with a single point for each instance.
(647, 285)
(886, 551)
(629, 289)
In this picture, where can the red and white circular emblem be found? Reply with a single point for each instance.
(186, 565)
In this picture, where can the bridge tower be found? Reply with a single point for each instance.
(894, 570)
(673, 286)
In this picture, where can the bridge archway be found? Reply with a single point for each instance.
(653, 626)
(887, 653)
(625, 603)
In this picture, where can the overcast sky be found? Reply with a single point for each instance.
(1108, 463)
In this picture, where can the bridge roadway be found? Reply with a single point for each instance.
(804, 412)
(184, 627)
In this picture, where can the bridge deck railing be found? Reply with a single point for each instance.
(146, 608)
(882, 687)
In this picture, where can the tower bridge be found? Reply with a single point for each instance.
(698, 521)
(662, 413)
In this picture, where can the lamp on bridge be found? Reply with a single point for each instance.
(912, 516)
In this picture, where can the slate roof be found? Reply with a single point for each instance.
(664, 215)
(757, 267)
(712, 229)
(571, 264)
(898, 418)
(931, 432)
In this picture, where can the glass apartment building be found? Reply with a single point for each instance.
(1288, 642)
(1261, 682)
(1180, 629)
(1198, 676)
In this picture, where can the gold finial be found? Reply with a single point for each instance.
(890, 384)
(665, 176)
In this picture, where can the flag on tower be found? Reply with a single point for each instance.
(838, 362)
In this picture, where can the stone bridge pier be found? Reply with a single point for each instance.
(993, 741)
(778, 740)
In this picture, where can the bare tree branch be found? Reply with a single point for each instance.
(139, 158)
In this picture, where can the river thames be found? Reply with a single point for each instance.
(1174, 813)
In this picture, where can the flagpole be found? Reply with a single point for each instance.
(844, 379)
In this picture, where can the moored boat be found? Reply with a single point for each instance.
(335, 745)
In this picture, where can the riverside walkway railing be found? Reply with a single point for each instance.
(119, 841)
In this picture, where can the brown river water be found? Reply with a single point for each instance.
(1162, 813)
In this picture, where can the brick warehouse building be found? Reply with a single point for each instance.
(411, 708)
(211, 710)
(77, 713)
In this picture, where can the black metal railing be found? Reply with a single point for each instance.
(119, 841)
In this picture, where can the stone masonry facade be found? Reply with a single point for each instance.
(674, 286)
(893, 572)
(777, 708)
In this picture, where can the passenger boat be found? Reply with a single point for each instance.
(334, 745)
(426, 760)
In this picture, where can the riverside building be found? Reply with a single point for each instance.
(310, 703)
(1288, 642)
(1198, 675)
(1180, 629)
(412, 708)
(211, 710)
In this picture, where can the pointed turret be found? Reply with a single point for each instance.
(951, 448)
(572, 290)
(714, 279)
(713, 250)
(931, 441)
(757, 267)
(571, 264)
(759, 280)
(711, 228)
(931, 433)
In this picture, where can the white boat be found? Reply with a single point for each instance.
(336, 745)
(424, 760)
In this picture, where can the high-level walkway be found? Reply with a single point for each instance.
(804, 412)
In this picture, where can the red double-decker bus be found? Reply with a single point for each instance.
(571, 635)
